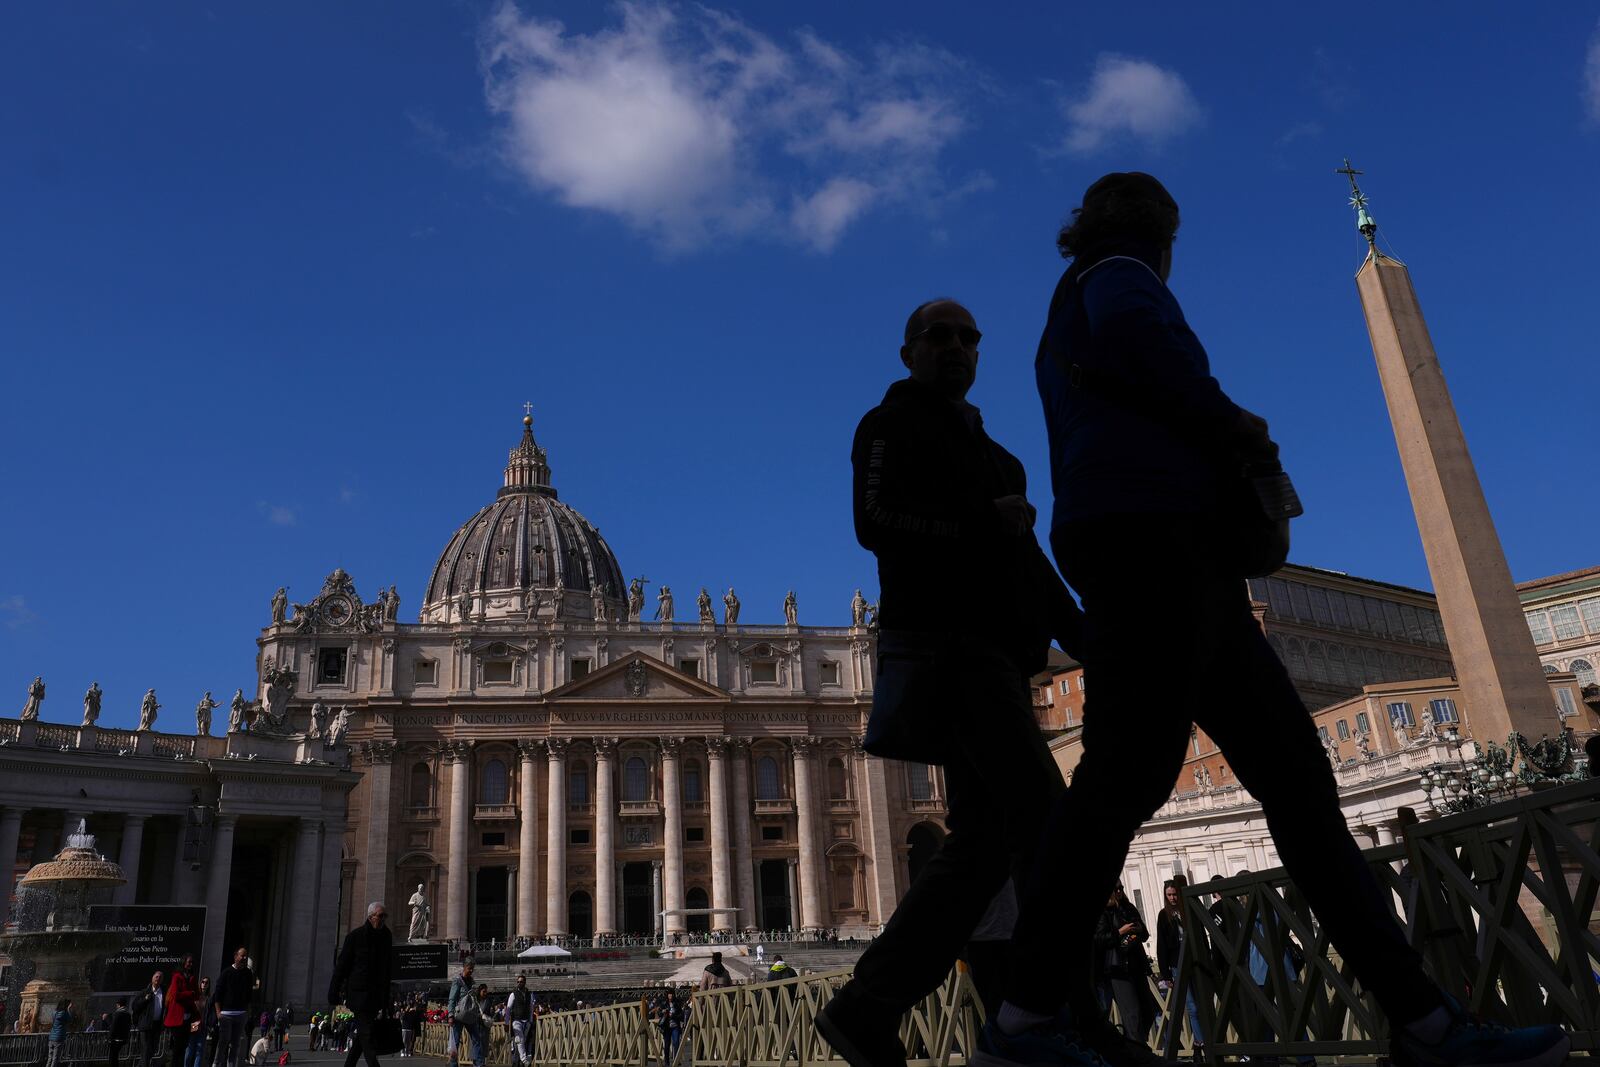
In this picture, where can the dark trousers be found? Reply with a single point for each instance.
(999, 785)
(1215, 669)
(151, 1040)
(113, 1052)
(360, 1028)
(178, 1038)
(1129, 999)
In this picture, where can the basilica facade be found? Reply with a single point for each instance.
(545, 761)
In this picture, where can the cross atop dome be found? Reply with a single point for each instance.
(527, 469)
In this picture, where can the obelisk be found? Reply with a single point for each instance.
(1502, 684)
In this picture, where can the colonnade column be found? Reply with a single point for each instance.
(380, 794)
(10, 830)
(127, 858)
(739, 813)
(655, 896)
(326, 932)
(457, 754)
(794, 893)
(217, 882)
(672, 800)
(810, 853)
(303, 901)
(721, 887)
(555, 875)
(605, 851)
(528, 842)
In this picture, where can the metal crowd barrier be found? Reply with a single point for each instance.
(27, 1050)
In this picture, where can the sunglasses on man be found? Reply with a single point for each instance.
(940, 334)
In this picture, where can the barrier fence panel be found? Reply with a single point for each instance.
(1499, 902)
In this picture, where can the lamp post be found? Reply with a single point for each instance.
(1469, 783)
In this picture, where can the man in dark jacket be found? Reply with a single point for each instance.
(149, 1010)
(361, 980)
(968, 606)
(121, 1026)
(1143, 445)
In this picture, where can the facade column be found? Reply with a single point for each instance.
(328, 936)
(303, 898)
(810, 852)
(380, 797)
(655, 895)
(127, 858)
(605, 844)
(457, 753)
(10, 830)
(1385, 834)
(528, 842)
(555, 875)
(217, 882)
(739, 813)
(884, 895)
(672, 801)
(721, 887)
(794, 894)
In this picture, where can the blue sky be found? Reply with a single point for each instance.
(279, 278)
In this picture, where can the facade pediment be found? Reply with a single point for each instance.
(637, 677)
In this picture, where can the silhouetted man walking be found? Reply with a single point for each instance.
(361, 981)
(968, 607)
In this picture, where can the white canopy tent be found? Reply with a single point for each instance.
(544, 952)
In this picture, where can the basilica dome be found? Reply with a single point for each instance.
(525, 555)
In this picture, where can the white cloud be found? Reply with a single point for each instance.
(1132, 98)
(15, 613)
(277, 514)
(1591, 77)
(689, 124)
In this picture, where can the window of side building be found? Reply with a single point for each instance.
(1565, 702)
(1443, 710)
(920, 778)
(1584, 670)
(1539, 626)
(1363, 724)
(1590, 610)
(1566, 622)
(1342, 728)
(1400, 714)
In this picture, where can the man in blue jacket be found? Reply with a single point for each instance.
(969, 605)
(1142, 443)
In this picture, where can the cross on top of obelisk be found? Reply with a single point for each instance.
(1358, 200)
(527, 405)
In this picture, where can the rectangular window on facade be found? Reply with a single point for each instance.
(829, 672)
(1320, 609)
(1322, 734)
(497, 671)
(494, 840)
(1363, 724)
(772, 833)
(1539, 626)
(581, 665)
(1342, 728)
(1444, 710)
(694, 834)
(1565, 620)
(764, 672)
(1565, 703)
(579, 836)
(330, 666)
(691, 667)
(425, 672)
(1300, 597)
(1590, 610)
(1341, 609)
(1400, 714)
(1066, 686)
(1278, 598)
(1080, 683)
(1375, 618)
(1413, 622)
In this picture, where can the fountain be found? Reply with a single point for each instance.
(62, 951)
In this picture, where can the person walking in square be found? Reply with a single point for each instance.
(933, 491)
(149, 1017)
(1148, 459)
(519, 1015)
(60, 1027)
(361, 981)
(230, 1003)
(117, 1038)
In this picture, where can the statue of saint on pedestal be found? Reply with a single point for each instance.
(30, 710)
(280, 604)
(91, 704)
(664, 604)
(334, 735)
(202, 715)
(147, 710)
(730, 608)
(421, 916)
(319, 719)
(791, 610)
(636, 599)
(858, 610)
(703, 602)
(238, 713)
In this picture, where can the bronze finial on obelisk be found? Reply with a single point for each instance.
(1502, 684)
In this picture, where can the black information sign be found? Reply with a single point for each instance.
(420, 963)
(159, 937)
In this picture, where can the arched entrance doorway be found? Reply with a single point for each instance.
(697, 924)
(924, 840)
(638, 901)
(774, 890)
(580, 914)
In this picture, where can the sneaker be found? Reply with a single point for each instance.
(1469, 1042)
(862, 1036)
(1116, 1048)
(1049, 1045)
